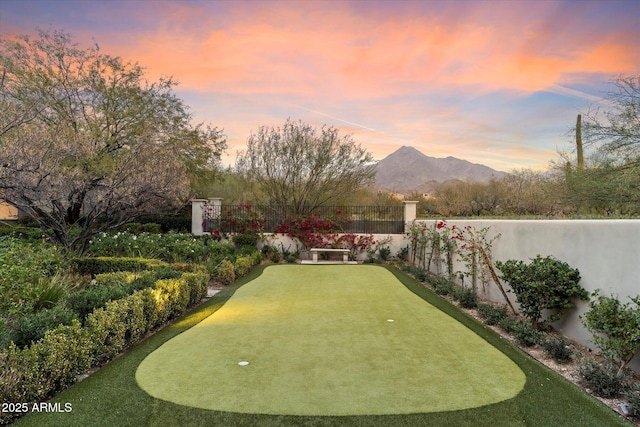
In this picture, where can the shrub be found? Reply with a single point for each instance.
(178, 292)
(466, 297)
(32, 327)
(107, 327)
(63, 354)
(385, 253)
(441, 285)
(526, 334)
(241, 240)
(492, 314)
(632, 396)
(242, 266)
(420, 274)
(35, 373)
(509, 324)
(98, 265)
(603, 381)
(615, 327)
(558, 348)
(198, 286)
(47, 293)
(225, 273)
(85, 301)
(544, 284)
(274, 255)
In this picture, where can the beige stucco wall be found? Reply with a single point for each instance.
(606, 252)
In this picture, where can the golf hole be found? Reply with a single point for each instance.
(243, 363)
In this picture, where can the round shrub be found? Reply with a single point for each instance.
(603, 381)
(558, 348)
(466, 297)
(242, 266)
(492, 314)
(526, 334)
(225, 273)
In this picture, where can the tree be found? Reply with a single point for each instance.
(87, 143)
(616, 129)
(303, 167)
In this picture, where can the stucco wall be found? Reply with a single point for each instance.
(606, 252)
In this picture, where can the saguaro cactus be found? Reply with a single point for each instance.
(579, 151)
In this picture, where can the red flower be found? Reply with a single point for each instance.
(440, 224)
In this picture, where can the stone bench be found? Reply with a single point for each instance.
(315, 251)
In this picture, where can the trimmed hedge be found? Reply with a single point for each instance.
(98, 265)
(37, 372)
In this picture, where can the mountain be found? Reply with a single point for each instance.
(407, 170)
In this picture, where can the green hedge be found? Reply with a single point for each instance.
(99, 265)
(37, 372)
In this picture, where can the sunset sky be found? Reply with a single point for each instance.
(493, 82)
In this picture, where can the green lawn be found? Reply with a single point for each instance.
(329, 340)
(414, 364)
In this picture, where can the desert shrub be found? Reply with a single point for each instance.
(558, 348)
(420, 274)
(32, 327)
(632, 396)
(544, 284)
(441, 285)
(385, 253)
(242, 266)
(526, 334)
(508, 324)
(492, 314)
(466, 297)
(274, 255)
(225, 273)
(603, 380)
(615, 327)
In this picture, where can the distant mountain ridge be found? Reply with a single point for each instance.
(407, 170)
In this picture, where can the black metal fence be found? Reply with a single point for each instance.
(349, 219)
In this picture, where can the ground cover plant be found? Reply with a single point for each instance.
(112, 397)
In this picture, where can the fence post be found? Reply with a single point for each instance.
(197, 217)
(410, 212)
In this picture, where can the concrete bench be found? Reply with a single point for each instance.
(315, 251)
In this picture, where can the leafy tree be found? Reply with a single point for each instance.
(608, 182)
(87, 143)
(544, 284)
(304, 167)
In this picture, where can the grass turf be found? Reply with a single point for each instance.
(319, 342)
(111, 396)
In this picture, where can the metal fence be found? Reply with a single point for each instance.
(349, 219)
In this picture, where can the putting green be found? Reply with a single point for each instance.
(319, 341)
